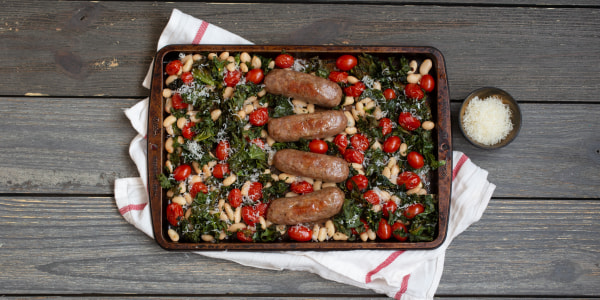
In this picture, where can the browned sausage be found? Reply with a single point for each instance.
(308, 126)
(303, 86)
(313, 165)
(307, 208)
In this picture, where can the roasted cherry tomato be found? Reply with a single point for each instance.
(255, 191)
(413, 91)
(341, 141)
(182, 172)
(389, 207)
(346, 62)
(235, 198)
(427, 83)
(174, 213)
(318, 146)
(284, 61)
(409, 179)
(399, 232)
(386, 126)
(392, 144)
(415, 160)
(187, 77)
(360, 181)
(413, 210)
(300, 233)
(177, 102)
(384, 230)
(173, 67)
(409, 122)
(365, 227)
(259, 117)
(232, 78)
(389, 94)
(354, 156)
(187, 130)
(355, 90)
(198, 187)
(245, 235)
(220, 170)
(371, 197)
(255, 75)
(222, 151)
(258, 142)
(250, 215)
(359, 142)
(301, 187)
(336, 76)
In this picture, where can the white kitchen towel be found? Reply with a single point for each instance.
(406, 275)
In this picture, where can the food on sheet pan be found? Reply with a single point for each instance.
(273, 148)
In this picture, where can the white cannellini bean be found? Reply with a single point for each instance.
(428, 125)
(196, 167)
(262, 222)
(330, 228)
(248, 108)
(256, 63)
(311, 108)
(328, 184)
(322, 235)
(413, 78)
(391, 162)
(413, 66)
(245, 188)
(229, 180)
(179, 200)
(229, 212)
(377, 85)
(403, 148)
(197, 57)
(167, 93)
(300, 103)
(169, 121)
(215, 114)
(387, 172)
(224, 55)
(348, 100)
(338, 236)
(169, 145)
(425, 67)
(372, 235)
(227, 92)
(244, 68)
(350, 118)
(352, 79)
(235, 227)
(315, 232)
(376, 145)
(370, 105)
(317, 185)
(351, 130)
(169, 166)
(307, 179)
(413, 191)
(237, 215)
(188, 198)
(230, 67)
(290, 194)
(181, 122)
(173, 235)
(212, 56)
(245, 57)
(262, 93)
(168, 105)
(170, 79)
(207, 237)
(187, 66)
(395, 171)
(364, 237)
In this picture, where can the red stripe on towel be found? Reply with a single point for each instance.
(130, 207)
(459, 164)
(200, 33)
(384, 264)
(403, 287)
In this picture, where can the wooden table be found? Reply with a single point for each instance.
(68, 69)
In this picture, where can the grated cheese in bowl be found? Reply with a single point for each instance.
(487, 121)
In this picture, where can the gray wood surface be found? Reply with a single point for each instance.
(537, 53)
(71, 245)
(68, 69)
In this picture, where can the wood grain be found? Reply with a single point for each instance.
(105, 48)
(79, 146)
(74, 245)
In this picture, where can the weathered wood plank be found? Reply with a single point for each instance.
(81, 145)
(64, 145)
(75, 245)
(104, 48)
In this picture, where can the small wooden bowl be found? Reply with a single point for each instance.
(507, 99)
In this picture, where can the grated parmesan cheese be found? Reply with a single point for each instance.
(487, 121)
